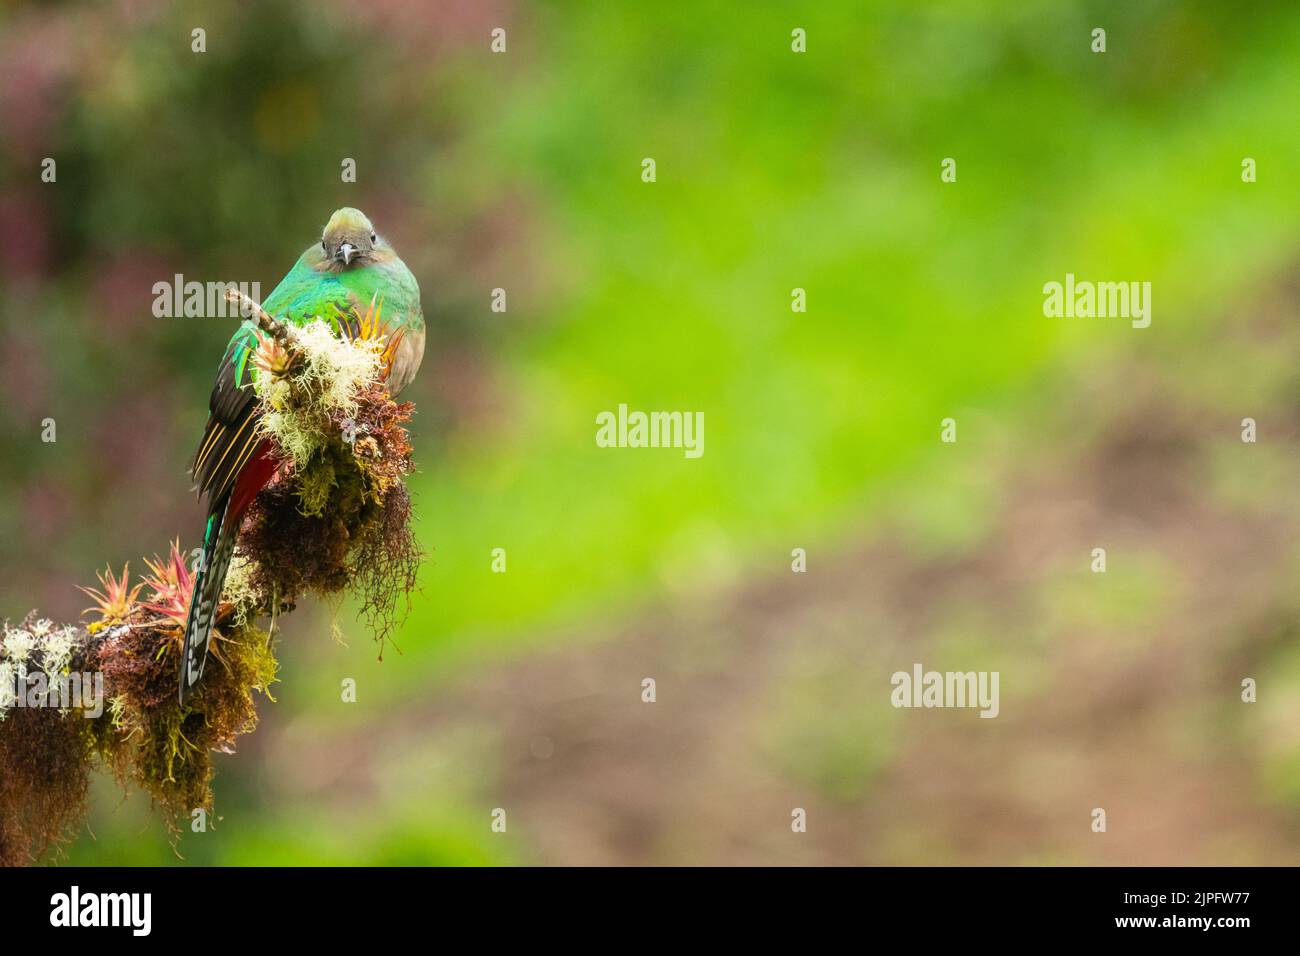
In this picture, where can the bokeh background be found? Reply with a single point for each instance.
(775, 170)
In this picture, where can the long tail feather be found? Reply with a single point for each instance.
(218, 548)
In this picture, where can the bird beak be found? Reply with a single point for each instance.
(347, 251)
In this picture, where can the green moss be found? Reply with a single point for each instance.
(171, 748)
(338, 519)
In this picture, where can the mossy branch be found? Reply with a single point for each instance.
(335, 519)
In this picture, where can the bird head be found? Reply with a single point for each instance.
(349, 239)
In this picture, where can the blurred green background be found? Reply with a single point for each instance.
(775, 170)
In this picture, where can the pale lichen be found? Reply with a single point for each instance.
(240, 591)
(327, 377)
(56, 648)
(335, 520)
(18, 644)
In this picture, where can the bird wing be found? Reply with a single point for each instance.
(231, 434)
(307, 292)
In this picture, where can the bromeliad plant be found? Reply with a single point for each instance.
(335, 519)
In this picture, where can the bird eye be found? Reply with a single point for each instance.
(373, 238)
(323, 246)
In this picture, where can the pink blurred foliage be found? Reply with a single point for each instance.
(49, 53)
(463, 385)
(130, 438)
(122, 290)
(37, 56)
(500, 226)
(25, 383)
(26, 252)
(433, 27)
(46, 508)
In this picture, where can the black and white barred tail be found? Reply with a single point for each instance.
(218, 548)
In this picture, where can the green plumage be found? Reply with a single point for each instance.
(336, 280)
(313, 289)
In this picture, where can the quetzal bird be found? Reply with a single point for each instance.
(335, 279)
